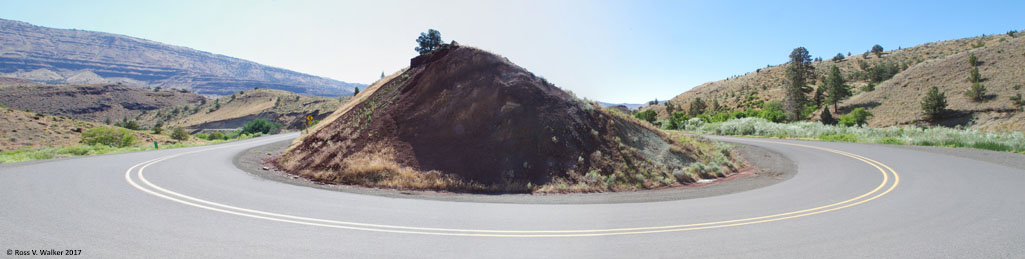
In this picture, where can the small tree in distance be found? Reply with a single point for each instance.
(428, 41)
(696, 107)
(934, 104)
(355, 92)
(838, 57)
(877, 50)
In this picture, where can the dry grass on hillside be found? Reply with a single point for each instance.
(896, 101)
(232, 111)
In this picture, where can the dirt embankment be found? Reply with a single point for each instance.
(463, 119)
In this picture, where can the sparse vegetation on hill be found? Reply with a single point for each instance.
(232, 112)
(892, 84)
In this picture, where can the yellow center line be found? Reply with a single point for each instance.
(209, 205)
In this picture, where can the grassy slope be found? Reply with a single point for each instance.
(943, 64)
(280, 106)
(30, 136)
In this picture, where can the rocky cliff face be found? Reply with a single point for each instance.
(59, 56)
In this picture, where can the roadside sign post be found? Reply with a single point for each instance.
(309, 121)
(155, 145)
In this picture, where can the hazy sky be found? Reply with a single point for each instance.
(614, 51)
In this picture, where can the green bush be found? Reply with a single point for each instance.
(180, 134)
(263, 126)
(108, 136)
(648, 116)
(857, 117)
(216, 135)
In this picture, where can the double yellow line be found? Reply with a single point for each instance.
(890, 179)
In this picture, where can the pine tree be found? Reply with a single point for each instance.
(827, 118)
(355, 92)
(977, 92)
(382, 74)
(973, 61)
(836, 89)
(798, 71)
(974, 76)
(820, 94)
(934, 104)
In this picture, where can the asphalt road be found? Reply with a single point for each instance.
(846, 200)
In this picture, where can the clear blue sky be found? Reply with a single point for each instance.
(614, 51)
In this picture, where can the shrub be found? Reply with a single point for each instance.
(262, 126)
(972, 60)
(938, 136)
(180, 134)
(857, 117)
(976, 93)
(1018, 101)
(216, 135)
(934, 104)
(648, 115)
(108, 136)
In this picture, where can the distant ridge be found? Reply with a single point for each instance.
(64, 56)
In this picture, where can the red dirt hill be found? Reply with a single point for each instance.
(460, 118)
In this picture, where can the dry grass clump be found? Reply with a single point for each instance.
(379, 169)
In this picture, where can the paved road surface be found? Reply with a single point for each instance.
(847, 200)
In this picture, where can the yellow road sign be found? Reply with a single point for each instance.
(309, 119)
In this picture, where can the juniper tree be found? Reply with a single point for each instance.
(428, 41)
(827, 118)
(877, 50)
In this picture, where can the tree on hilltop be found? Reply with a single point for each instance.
(428, 41)
(877, 50)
